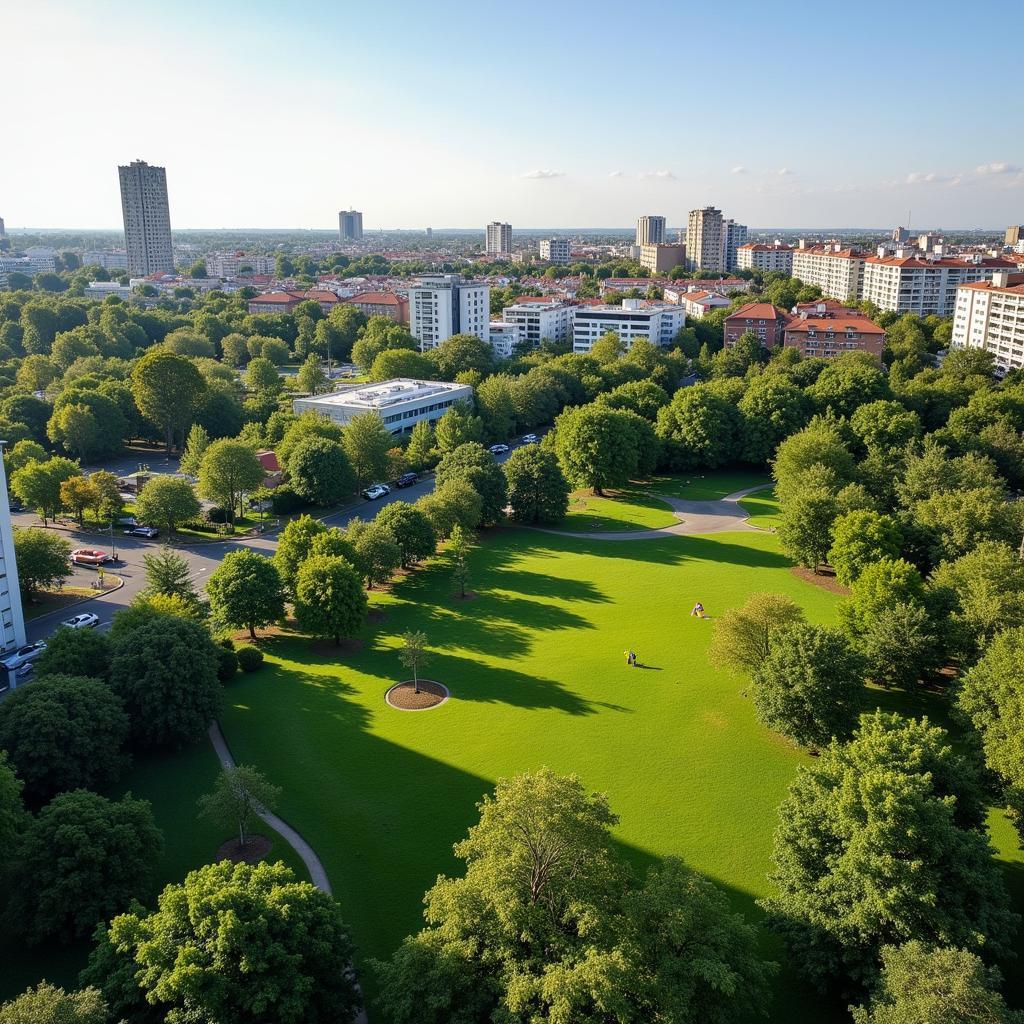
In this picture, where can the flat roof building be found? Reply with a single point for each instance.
(499, 239)
(661, 257)
(441, 305)
(650, 230)
(540, 319)
(658, 322)
(758, 256)
(990, 315)
(350, 225)
(555, 250)
(402, 402)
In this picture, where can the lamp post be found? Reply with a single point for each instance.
(113, 550)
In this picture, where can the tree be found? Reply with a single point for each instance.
(78, 493)
(882, 841)
(167, 501)
(537, 489)
(167, 389)
(83, 859)
(496, 407)
(809, 686)
(643, 397)
(458, 426)
(819, 443)
(900, 645)
(402, 362)
(38, 484)
(474, 465)
(310, 378)
(195, 447)
(240, 793)
(879, 588)
(699, 429)
(378, 555)
(959, 521)
(245, 590)
(920, 983)
(461, 353)
(411, 529)
(262, 377)
(47, 1004)
(860, 538)
(456, 503)
(743, 636)
(848, 382)
(294, 545)
(366, 441)
(596, 447)
(108, 495)
(885, 425)
(773, 408)
(234, 349)
(75, 427)
(21, 454)
(329, 597)
(228, 470)
(43, 560)
(75, 652)
(805, 525)
(421, 450)
(413, 654)
(164, 669)
(460, 547)
(320, 472)
(169, 574)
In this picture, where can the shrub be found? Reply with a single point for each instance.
(249, 658)
(227, 664)
(215, 515)
(284, 501)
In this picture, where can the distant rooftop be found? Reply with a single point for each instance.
(377, 397)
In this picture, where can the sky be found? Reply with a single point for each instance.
(564, 113)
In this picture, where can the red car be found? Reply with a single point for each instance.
(90, 557)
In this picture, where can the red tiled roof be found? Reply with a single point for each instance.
(376, 299)
(917, 262)
(268, 460)
(762, 247)
(277, 298)
(859, 324)
(1014, 285)
(318, 295)
(757, 311)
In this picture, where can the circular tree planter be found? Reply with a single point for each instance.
(256, 849)
(403, 696)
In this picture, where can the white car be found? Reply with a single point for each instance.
(529, 439)
(87, 620)
(375, 491)
(23, 655)
(498, 449)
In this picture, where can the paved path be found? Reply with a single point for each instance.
(720, 516)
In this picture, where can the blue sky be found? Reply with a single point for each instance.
(557, 114)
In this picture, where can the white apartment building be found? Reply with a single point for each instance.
(990, 315)
(441, 305)
(733, 236)
(504, 338)
(147, 219)
(555, 250)
(101, 289)
(12, 262)
(547, 319)
(911, 283)
(402, 402)
(230, 264)
(499, 239)
(838, 272)
(650, 230)
(632, 319)
(109, 259)
(12, 621)
(350, 225)
(705, 240)
(697, 304)
(758, 256)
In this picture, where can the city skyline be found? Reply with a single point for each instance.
(288, 134)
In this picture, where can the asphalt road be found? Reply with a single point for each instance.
(202, 557)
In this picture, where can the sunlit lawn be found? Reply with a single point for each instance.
(616, 511)
(762, 508)
(707, 486)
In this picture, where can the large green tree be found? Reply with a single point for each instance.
(42, 558)
(860, 538)
(597, 447)
(75, 652)
(167, 502)
(245, 591)
(38, 484)
(877, 590)
(329, 598)
(367, 441)
(378, 555)
(47, 1004)
(474, 465)
(294, 545)
(537, 489)
(900, 644)
(742, 636)
(454, 504)
(700, 429)
(167, 389)
(319, 471)
(805, 525)
(170, 575)
(228, 471)
(411, 529)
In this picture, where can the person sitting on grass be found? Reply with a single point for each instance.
(698, 610)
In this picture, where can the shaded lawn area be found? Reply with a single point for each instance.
(46, 601)
(707, 486)
(762, 508)
(172, 782)
(616, 511)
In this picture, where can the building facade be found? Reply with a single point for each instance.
(659, 258)
(350, 225)
(762, 319)
(555, 250)
(12, 621)
(545, 319)
(444, 304)
(826, 329)
(401, 403)
(733, 236)
(147, 218)
(838, 272)
(109, 259)
(498, 241)
(704, 240)
(698, 304)
(504, 337)
(382, 304)
(658, 322)
(650, 230)
(990, 315)
(234, 264)
(758, 256)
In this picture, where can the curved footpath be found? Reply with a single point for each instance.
(719, 516)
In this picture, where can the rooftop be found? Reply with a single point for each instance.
(381, 396)
(757, 311)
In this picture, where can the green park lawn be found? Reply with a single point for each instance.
(709, 485)
(762, 508)
(616, 511)
(536, 669)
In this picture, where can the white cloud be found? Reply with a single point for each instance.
(738, 170)
(998, 167)
(921, 177)
(782, 172)
(542, 173)
(662, 175)
(615, 174)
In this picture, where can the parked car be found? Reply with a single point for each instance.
(23, 655)
(375, 491)
(406, 480)
(498, 449)
(529, 439)
(16, 505)
(149, 532)
(127, 521)
(92, 557)
(87, 620)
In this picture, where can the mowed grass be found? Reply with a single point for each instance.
(762, 508)
(616, 512)
(536, 668)
(707, 486)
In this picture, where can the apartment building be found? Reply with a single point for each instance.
(838, 272)
(990, 315)
(382, 304)
(401, 403)
(234, 264)
(20, 262)
(104, 289)
(704, 239)
(759, 256)
(733, 236)
(762, 319)
(1014, 234)
(441, 305)
(827, 329)
(650, 230)
(540, 319)
(504, 338)
(109, 259)
(350, 225)
(658, 322)
(12, 621)
(499, 239)
(699, 303)
(661, 257)
(910, 283)
(147, 218)
(555, 250)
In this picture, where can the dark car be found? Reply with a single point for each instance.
(406, 480)
(149, 532)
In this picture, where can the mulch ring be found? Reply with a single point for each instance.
(826, 579)
(403, 696)
(256, 849)
(469, 595)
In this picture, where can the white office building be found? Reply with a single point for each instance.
(147, 218)
(441, 305)
(402, 402)
(555, 250)
(758, 256)
(232, 264)
(12, 621)
(16, 262)
(632, 319)
(103, 289)
(705, 239)
(109, 259)
(504, 338)
(544, 319)
(990, 315)
(499, 239)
